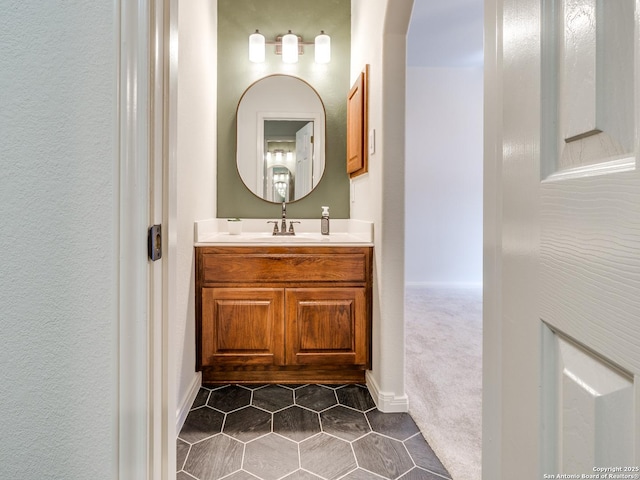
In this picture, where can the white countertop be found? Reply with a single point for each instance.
(343, 232)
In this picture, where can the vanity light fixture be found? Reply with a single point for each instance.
(256, 47)
(323, 48)
(290, 46)
(279, 157)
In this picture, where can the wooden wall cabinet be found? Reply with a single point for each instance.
(357, 126)
(283, 314)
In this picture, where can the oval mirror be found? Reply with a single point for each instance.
(280, 126)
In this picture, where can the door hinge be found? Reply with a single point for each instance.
(154, 243)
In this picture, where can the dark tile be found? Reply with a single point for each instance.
(294, 386)
(271, 457)
(326, 456)
(382, 455)
(254, 386)
(355, 396)
(316, 397)
(201, 398)
(396, 425)
(184, 476)
(214, 455)
(241, 475)
(419, 474)
(361, 474)
(423, 456)
(247, 424)
(201, 423)
(344, 422)
(301, 475)
(214, 458)
(296, 423)
(229, 398)
(273, 398)
(182, 449)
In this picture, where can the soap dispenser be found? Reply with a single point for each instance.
(324, 221)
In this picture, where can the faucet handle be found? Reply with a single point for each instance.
(275, 226)
(291, 222)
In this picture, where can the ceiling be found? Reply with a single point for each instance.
(446, 33)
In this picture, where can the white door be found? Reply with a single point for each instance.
(304, 160)
(562, 240)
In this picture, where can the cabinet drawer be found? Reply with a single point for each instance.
(241, 267)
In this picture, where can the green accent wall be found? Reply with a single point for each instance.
(237, 19)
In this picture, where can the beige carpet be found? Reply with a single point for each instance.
(444, 373)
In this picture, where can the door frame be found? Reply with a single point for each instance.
(132, 356)
(492, 245)
(146, 396)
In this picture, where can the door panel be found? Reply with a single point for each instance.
(589, 231)
(242, 326)
(567, 218)
(588, 86)
(589, 235)
(589, 409)
(327, 326)
(305, 176)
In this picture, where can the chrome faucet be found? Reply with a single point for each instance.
(283, 227)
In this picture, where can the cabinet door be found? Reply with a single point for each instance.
(327, 326)
(357, 128)
(242, 326)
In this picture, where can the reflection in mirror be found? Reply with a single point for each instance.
(284, 117)
(278, 186)
(288, 161)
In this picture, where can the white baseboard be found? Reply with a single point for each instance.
(187, 400)
(444, 284)
(387, 402)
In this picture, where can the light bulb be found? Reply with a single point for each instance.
(290, 48)
(323, 48)
(256, 47)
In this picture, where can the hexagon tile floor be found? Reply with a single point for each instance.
(300, 432)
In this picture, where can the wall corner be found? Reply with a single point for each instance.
(387, 402)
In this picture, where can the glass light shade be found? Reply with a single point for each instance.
(278, 157)
(256, 47)
(323, 48)
(290, 48)
(289, 157)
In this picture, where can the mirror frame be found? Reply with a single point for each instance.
(320, 124)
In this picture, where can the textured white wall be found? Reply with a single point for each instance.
(196, 173)
(443, 187)
(378, 38)
(58, 240)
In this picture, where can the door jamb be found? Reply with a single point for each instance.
(133, 349)
(146, 79)
(492, 232)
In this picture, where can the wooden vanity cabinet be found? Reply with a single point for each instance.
(283, 314)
